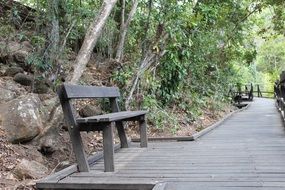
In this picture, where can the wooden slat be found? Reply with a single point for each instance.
(110, 117)
(186, 138)
(79, 91)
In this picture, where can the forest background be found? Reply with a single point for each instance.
(165, 56)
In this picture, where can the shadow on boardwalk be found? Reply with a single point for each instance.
(246, 152)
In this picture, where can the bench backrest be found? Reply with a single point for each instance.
(79, 92)
(67, 92)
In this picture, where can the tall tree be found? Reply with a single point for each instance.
(53, 35)
(91, 37)
(124, 27)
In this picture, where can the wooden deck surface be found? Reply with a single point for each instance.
(246, 152)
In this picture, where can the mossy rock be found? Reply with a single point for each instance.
(12, 71)
(41, 86)
(23, 79)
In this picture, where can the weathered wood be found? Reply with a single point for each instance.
(110, 117)
(56, 177)
(186, 138)
(143, 132)
(103, 123)
(91, 183)
(108, 146)
(160, 186)
(79, 91)
(122, 134)
(119, 124)
(74, 133)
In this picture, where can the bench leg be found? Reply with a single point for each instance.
(108, 148)
(143, 132)
(122, 134)
(79, 152)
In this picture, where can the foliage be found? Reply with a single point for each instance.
(208, 46)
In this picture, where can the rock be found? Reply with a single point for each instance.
(15, 52)
(49, 107)
(23, 79)
(2, 69)
(12, 71)
(20, 57)
(49, 143)
(41, 86)
(6, 95)
(30, 170)
(30, 151)
(21, 118)
(89, 110)
(14, 87)
(28, 46)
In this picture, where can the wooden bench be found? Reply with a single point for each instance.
(67, 92)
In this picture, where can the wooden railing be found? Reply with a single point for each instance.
(262, 94)
(279, 93)
(240, 93)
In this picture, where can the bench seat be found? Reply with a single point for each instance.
(111, 117)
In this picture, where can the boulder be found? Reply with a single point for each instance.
(20, 57)
(89, 110)
(41, 86)
(14, 87)
(12, 71)
(28, 46)
(49, 143)
(15, 52)
(21, 118)
(50, 107)
(6, 95)
(30, 170)
(23, 79)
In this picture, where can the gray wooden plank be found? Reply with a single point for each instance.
(80, 91)
(123, 115)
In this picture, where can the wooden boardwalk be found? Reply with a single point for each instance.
(246, 152)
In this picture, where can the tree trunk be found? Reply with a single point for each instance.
(91, 37)
(124, 28)
(54, 32)
(84, 54)
(148, 59)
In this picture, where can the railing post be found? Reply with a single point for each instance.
(279, 90)
(259, 94)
